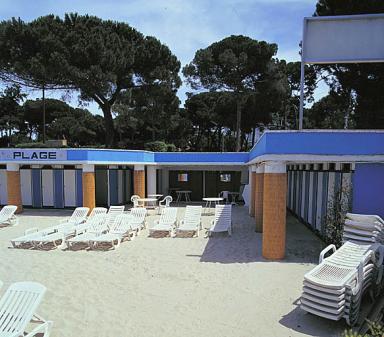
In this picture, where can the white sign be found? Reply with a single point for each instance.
(343, 39)
(21, 155)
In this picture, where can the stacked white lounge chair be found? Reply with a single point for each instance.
(363, 229)
(334, 289)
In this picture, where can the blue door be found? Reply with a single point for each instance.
(37, 198)
(58, 188)
(113, 190)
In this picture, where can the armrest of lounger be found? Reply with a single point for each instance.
(31, 230)
(64, 220)
(325, 251)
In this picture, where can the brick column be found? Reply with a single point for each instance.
(139, 181)
(89, 195)
(274, 210)
(14, 187)
(252, 172)
(258, 197)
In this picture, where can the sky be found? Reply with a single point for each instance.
(186, 25)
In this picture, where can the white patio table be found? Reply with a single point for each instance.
(209, 201)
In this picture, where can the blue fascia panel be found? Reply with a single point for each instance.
(110, 156)
(201, 157)
(320, 143)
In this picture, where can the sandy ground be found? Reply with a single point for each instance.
(214, 287)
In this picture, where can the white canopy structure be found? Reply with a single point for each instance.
(340, 39)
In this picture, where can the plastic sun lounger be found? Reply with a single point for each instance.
(80, 228)
(364, 218)
(192, 220)
(138, 219)
(99, 226)
(223, 220)
(7, 216)
(120, 230)
(167, 221)
(59, 237)
(18, 308)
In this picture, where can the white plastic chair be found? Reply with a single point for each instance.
(7, 216)
(167, 221)
(18, 309)
(135, 201)
(224, 195)
(223, 220)
(192, 220)
(166, 202)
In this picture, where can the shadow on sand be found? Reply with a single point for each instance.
(245, 245)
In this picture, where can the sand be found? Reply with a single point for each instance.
(170, 286)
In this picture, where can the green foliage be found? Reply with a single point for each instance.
(100, 58)
(337, 208)
(33, 145)
(364, 83)
(235, 64)
(375, 330)
(159, 146)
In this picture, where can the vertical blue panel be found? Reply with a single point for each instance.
(58, 188)
(37, 198)
(368, 187)
(113, 192)
(79, 188)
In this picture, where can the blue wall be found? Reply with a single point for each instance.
(320, 143)
(368, 189)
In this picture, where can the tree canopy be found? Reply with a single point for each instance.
(235, 64)
(100, 58)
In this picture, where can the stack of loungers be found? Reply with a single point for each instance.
(334, 289)
(363, 229)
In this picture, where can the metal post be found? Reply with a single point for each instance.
(301, 109)
(43, 114)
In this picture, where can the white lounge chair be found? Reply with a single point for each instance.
(167, 221)
(7, 216)
(223, 220)
(120, 230)
(18, 309)
(89, 222)
(334, 288)
(138, 219)
(364, 229)
(166, 202)
(33, 235)
(101, 225)
(191, 221)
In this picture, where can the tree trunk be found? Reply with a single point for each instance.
(253, 136)
(109, 127)
(239, 105)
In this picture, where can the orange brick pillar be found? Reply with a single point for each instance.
(139, 181)
(89, 195)
(14, 187)
(252, 190)
(274, 210)
(258, 197)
